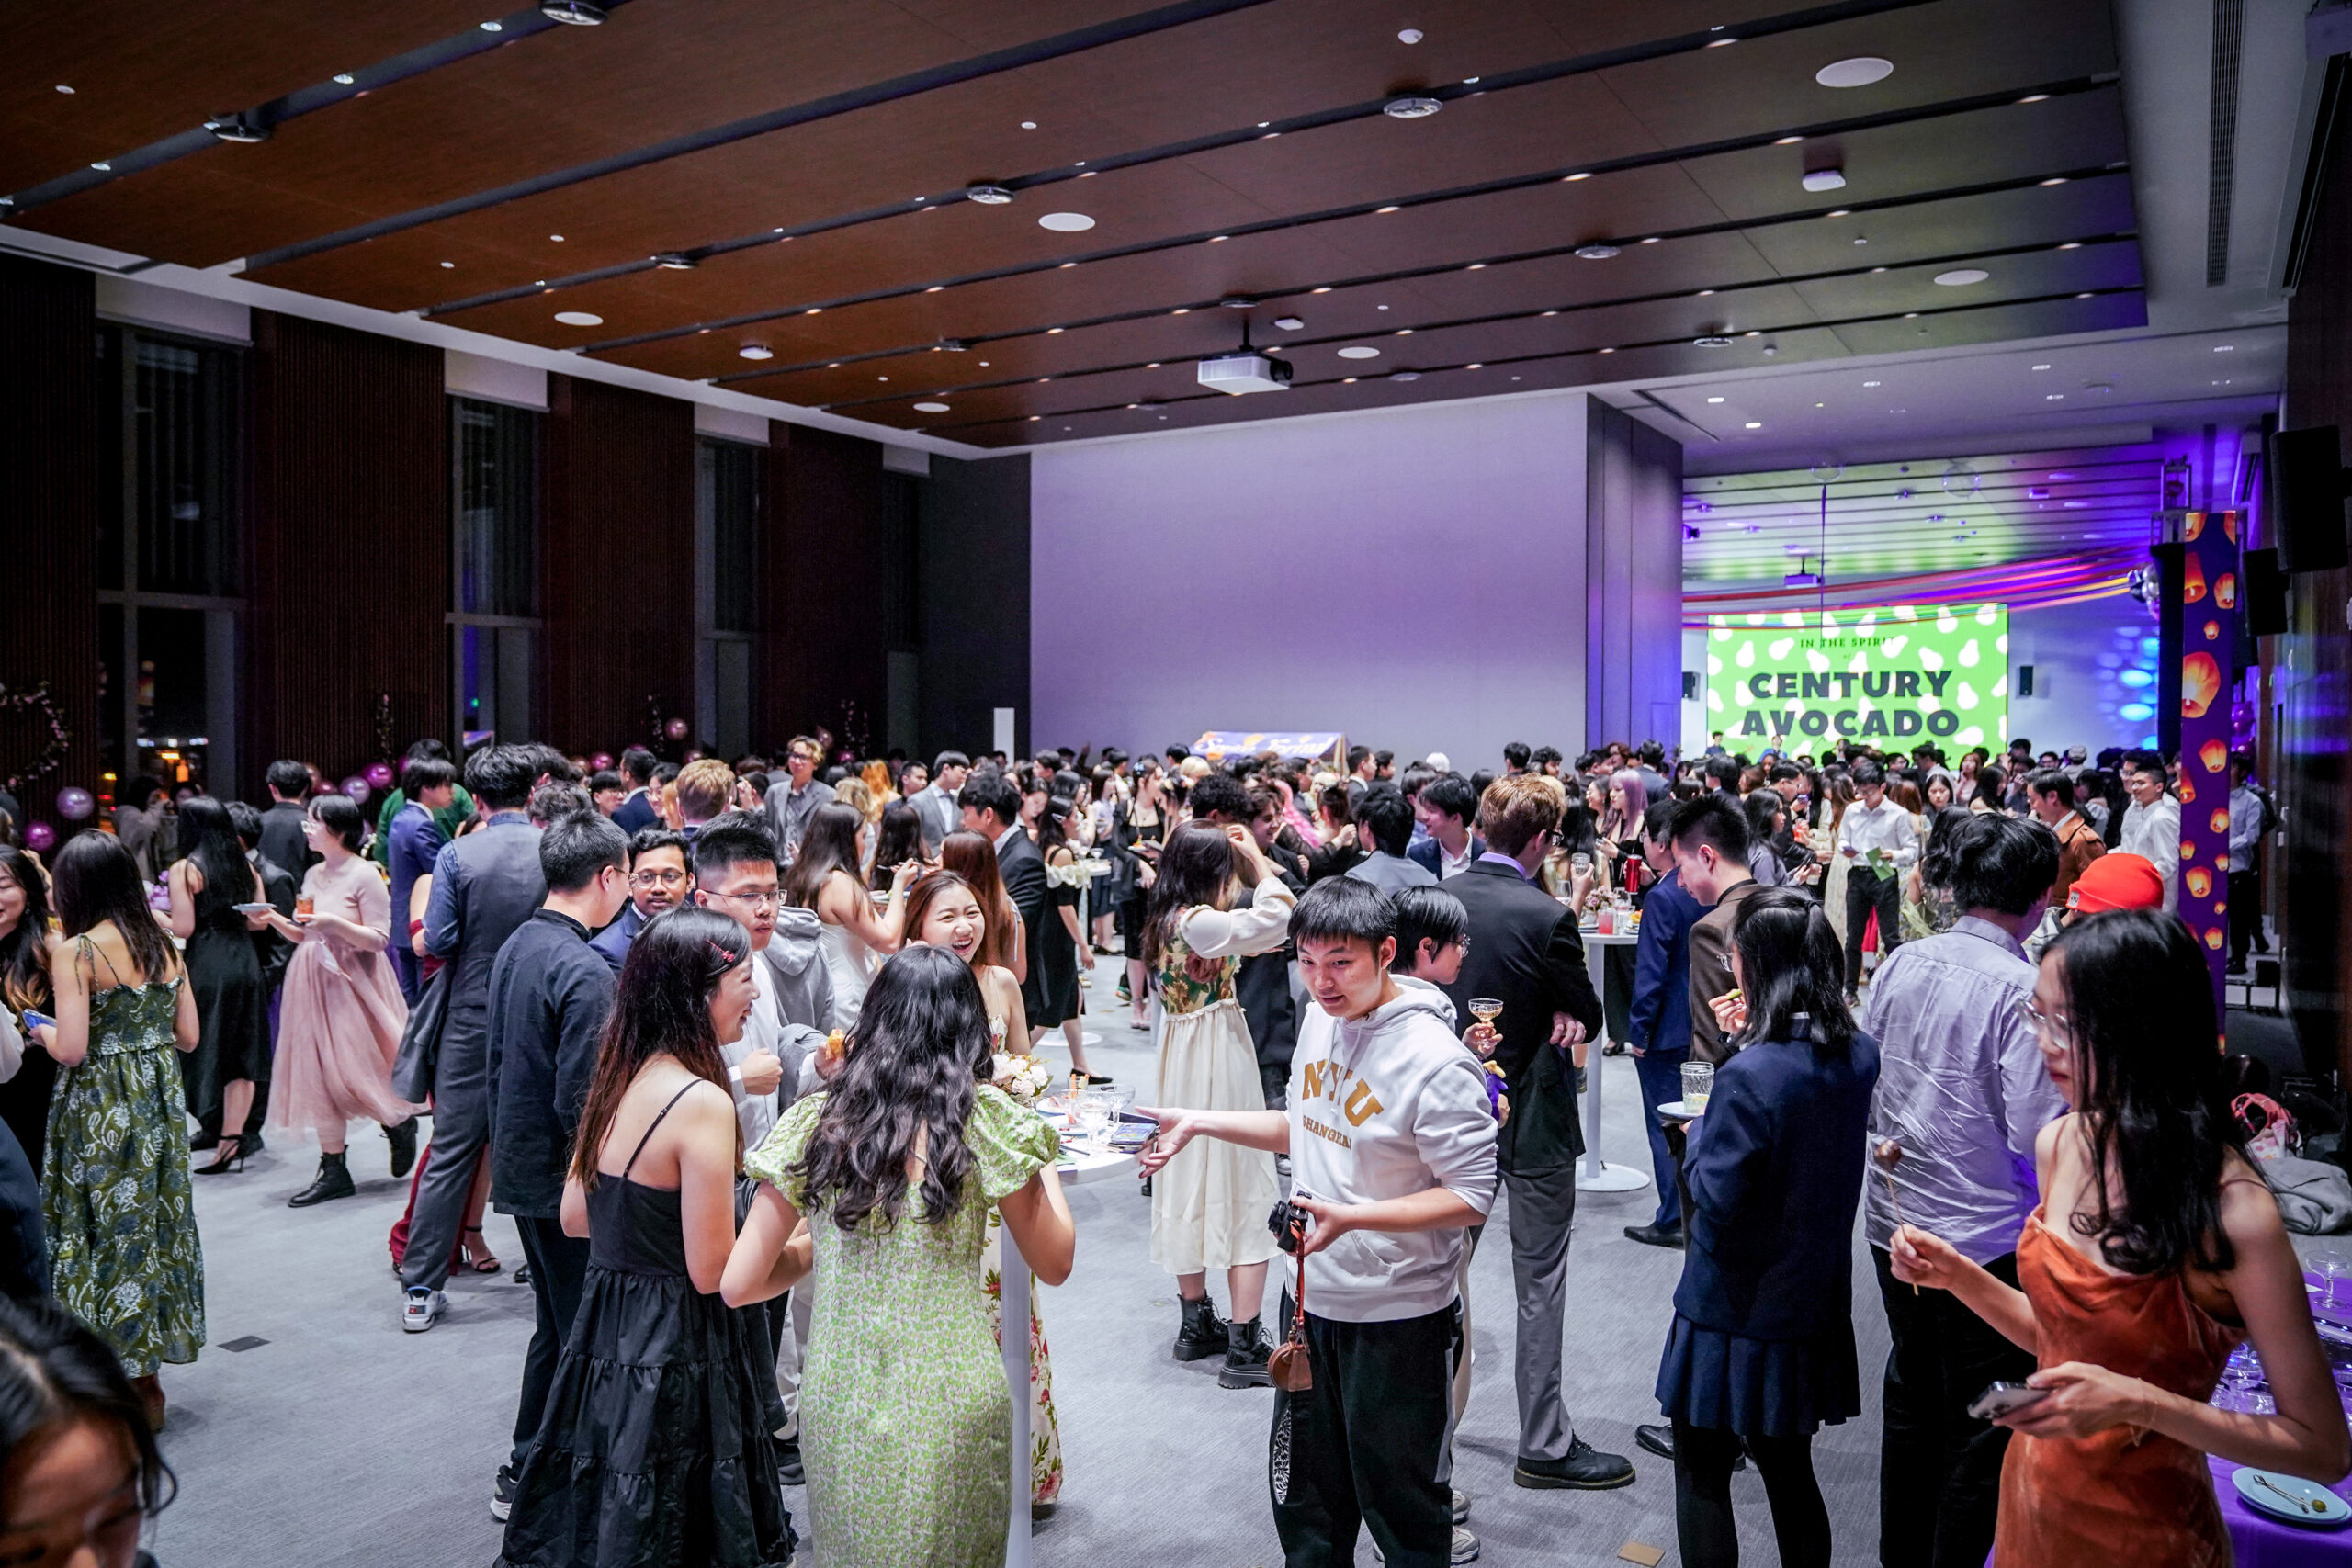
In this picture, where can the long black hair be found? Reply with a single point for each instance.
(674, 964)
(2153, 1100)
(53, 1372)
(898, 838)
(1053, 828)
(97, 882)
(24, 951)
(1790, 963)
(829, 844)
(1195, 868)
(209, 836)
(916, 1058)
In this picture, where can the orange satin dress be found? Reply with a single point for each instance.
(2126, 1494)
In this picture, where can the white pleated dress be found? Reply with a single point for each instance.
(1209, 1204)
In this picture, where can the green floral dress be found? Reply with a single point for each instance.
(904, 1422)
(115, 1192)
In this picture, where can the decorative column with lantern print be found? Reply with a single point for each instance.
(2209, 588)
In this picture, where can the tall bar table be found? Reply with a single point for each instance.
(1597, 1175)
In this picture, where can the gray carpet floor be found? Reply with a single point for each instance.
(334, 1439)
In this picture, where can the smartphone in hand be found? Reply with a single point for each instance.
(2001, 1399)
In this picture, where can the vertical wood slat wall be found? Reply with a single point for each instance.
(618, 560)
(348, 580)
(822, 659)
(48, 519)
(2314, 681)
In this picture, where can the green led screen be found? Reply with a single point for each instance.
(1887, 677)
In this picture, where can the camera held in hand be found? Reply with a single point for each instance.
(1289, 1222)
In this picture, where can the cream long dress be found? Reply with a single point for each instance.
(1209, 1204)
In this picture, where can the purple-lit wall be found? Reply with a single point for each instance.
(1415, 578)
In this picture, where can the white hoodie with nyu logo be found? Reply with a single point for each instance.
(1386, 1106)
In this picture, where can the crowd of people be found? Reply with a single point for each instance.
(748, 1054)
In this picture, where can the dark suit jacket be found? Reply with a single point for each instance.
(1024, 870)
(1261, 985)
(1775, 1171)
(280, 887)
(1525, 949)
(493, 883)
(636, 814)
(1661, 1017)
(1711, 972)
(1429, 857)
(282, 841)
(612, 942)
(550, 995)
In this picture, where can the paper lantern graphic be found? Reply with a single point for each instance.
(2212, 631)
(2219, 821)
(2195, 526)
(2200, 683)
(2186, 793)
(2192, 581)
(2199, 881)
(2214, 754)
(2188, 848)
(2225, 591)
(2213, 938)
(2221, 864)
(2230, 526)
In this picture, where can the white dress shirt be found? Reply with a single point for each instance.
(762, 1030)
(1887, 826)
(2154, 832)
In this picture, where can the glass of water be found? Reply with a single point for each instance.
(2333, 1267)
(1697, 1082)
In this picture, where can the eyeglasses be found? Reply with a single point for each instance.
(2057, 1024)
(771, 899)
(658, 879)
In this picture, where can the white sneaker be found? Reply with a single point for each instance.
(1465, 1546)
(423, 1310)
(1461, 1505)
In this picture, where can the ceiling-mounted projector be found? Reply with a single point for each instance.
(1245, 372)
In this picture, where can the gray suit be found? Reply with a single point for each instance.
(941, 816)
(484, 887)
(788, 813)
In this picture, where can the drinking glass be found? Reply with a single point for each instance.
(1094, 1116)
(2333, 1267)
(1581, 864)
(1697, 1082)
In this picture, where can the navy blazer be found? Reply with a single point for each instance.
(1775, 1173)
(1661, 1010)
(1424, 853)
(636, 814)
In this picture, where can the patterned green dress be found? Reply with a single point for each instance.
(114, 1193)
(905, 1421)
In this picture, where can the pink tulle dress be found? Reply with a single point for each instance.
(340, 1014)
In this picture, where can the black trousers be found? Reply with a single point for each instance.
(1703, 1458)
(1867, 890)
(1939, 1468)
(2246, 914)
(559, 1274)
(1363, 1446)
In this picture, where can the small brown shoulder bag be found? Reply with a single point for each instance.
(1288, 1366)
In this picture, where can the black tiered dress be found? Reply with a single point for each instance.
(655, 1448)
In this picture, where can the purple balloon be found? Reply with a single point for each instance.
(676, 728)
(40, 836)
(357, 788)
(379, 775)
(74, 803)
(601, 761)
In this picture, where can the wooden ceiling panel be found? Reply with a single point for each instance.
(2034, 215)
(2030, 275)
(1634, 202)
(2081, 130)
(1954, 49)
(191, 227)
(2101, 313)
(143, 70)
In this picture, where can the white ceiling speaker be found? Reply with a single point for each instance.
(987, 195)
(1066, 223)
(572, 13)
(755, 351)
(578, 319)
(1711, 342)
(1410, 108)
(1360, 351)
(1859, 72)
(931, 408)
(1961, 276)
(1405, 376)
(1826, 179)
(1597, 251)
(1288, 324)
(675, 261)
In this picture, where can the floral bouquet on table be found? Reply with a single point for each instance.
(1021, 1076)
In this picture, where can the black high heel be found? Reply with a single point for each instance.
(228, 1155)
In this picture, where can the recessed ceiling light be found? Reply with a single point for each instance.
(1035, 417)
(755, 351)
(1325, 289)
(557, 238)
(578, 319)
(1219, 239)
(2041, 367)
(1551, 312)
(2035, 98)
(1054, 332)
(1703, 293)
(1288, 324)
(1403, 331)
(2057, 180)
(1711, 343)
(1753, 424)
(449, 263)
(931, 408)
(2072, 246)
(881, 378)
(1065, 267)
(1579, 175)
(814, 310)
(1596, 252)
(1476, 267)
(1410, 35)
(1469, 81)
(493, 27)
(1405, 376)
(988, 196)
(1874, 383)
(572, 13)
(1910, 315)
(1474, 367)
(937, 289)
(1824, 179)
(2053, 397)
(1182, 310)
(1788, 140)
(103, 166)
(1876, 270)
(1380, 210)
(1360, 351)
(1380, 307)
(1652, 240)
(1860, 70)
(1721, 41)
(1961, 276)
(1066, 223)
(2225, 348)
(1346, 381)
(64, 90)
(1410, 108)
(1715, 400)
(2084, 295)
(1028, 125)
(1821, 405)
(342, 77)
